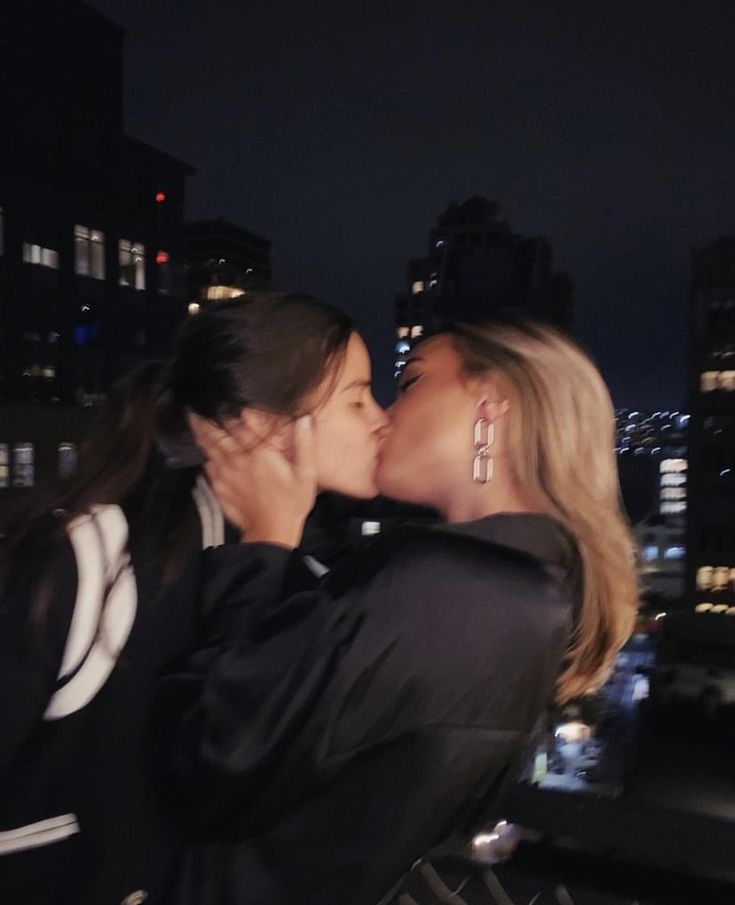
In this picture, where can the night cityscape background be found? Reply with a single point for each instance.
(340, 131)
(419, 163)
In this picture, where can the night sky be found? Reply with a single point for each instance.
(341, 130)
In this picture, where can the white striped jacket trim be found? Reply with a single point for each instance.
(55, 829)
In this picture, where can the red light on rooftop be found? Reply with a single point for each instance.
(160, 197)
(162, 257)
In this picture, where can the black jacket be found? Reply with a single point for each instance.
(320, 744)
(79, 817)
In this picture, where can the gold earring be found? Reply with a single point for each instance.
(483, 464)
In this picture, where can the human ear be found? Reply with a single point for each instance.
(268, 427)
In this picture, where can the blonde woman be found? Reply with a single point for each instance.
(336, 737)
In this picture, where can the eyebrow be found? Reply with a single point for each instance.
(412, 360)
(356, 383)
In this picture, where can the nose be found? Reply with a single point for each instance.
(380, 419)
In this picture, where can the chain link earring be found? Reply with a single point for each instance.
(483, 464)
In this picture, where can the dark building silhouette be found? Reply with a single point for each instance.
(477, 266)
(711, 513)
(225, 260)
(92, 275)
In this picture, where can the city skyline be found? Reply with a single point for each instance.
(341, 137)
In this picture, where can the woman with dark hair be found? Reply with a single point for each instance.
(331, 739)
(100, 587)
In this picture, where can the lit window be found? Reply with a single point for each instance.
(671, 508)
(23, 470)
(432, 281)
(416, 331)
(49, 372)
(367, 529)
(37, 254)
(673, 466)
(730, 611)
(89, 252)
(703, 607)
(67, 459)
(165, 274)
(704, 578)
(194, 308)
(673, 493)
(417, 286)
(403, 346)
(674, 553)
(4, 465)
(132, 264)
(726, 381)
(720, 578)
(649, 553)
(673, 480)
(719, 608)
(708, 381)
(402, 332)
(222, 293)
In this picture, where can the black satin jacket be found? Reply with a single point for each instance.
(324, 740)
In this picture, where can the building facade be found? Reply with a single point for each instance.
(92, 275)
(477, 266)
(711, 481)
(224, 261)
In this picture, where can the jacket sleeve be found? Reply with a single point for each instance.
(36, 609)
(227, 715)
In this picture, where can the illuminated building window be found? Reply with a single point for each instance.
(726, 381)
(672, 508)
(165, 274)
(23, 465)
(649, 553)
(720, 578)
(37, 254)
(417, 331)
(674, 553)
(89, 252)
(417, 286)
(4, 465)
(433, 281)
(671, 479)
(703, 607)
(132, 264)
(673, 493)
(704, 578)
(673, 466)
(403, 332)
(719, 608)
(194, 308)
(730, 611)
(67, 459)
(49, 372)
(403, 346)
(367, 529)
(708, 381)
(222, 293)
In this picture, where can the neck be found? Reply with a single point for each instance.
(481, 500)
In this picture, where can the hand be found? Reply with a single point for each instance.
(263, 489)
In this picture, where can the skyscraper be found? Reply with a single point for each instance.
(476, 266)
(711, 483)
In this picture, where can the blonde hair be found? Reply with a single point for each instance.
(562, 435)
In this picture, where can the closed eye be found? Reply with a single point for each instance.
(405, 384)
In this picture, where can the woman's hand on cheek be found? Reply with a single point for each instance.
(264, 481)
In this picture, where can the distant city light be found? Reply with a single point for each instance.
(160, 197)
